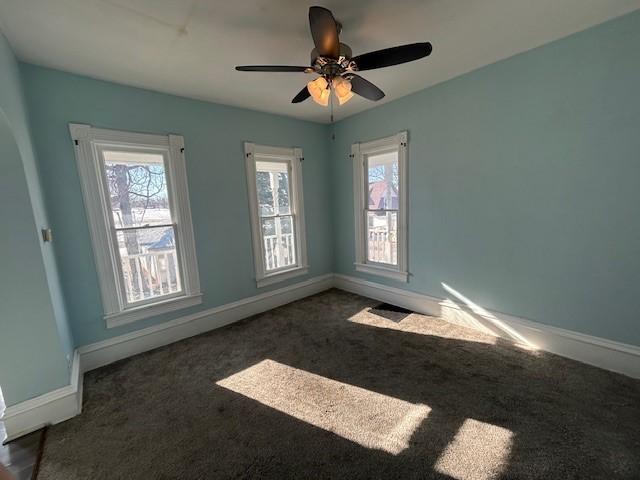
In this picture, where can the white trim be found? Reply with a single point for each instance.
(47, 409)
(157, 308)
(66, 402)
(281, 276)
(102, 353)
(382, 271)
(359, 151)
(608, 354)
(298, 205)
(118, 137)
(600, 352)
(181, 210)
(358, 203)
(88, 142)
(293, 158)
(396, 296)
(90, 181)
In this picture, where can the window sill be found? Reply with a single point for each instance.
(145, 311)
(382, 271)
(281, 276)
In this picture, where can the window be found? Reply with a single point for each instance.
(135, 193)
(380, 169)
(274, 180)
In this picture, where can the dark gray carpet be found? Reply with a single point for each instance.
(327, 388)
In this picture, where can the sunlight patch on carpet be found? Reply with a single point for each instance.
(479, 451)
(421, 325)
(368, 418)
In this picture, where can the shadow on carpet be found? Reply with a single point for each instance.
(326, 388)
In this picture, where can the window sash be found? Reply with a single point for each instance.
(275, 194)
(166, 164)
(154, 298)
(361, 153)
(367, 239)
(278, 215)
(291, 157)
(278, 244)
(89, 143)
(366, 165)
(366, 156)
(145, 226)
(275, 217)
(113, 237)
(283, 215)
(292, 214)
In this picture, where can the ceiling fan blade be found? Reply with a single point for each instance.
(324, 31)
(301, 96)
(273, 68)
(365, 88)
(392, 56)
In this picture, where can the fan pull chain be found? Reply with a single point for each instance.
(331, 103)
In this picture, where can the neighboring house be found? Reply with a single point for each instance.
(379, 193)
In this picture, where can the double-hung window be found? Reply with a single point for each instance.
(274, 182)
(380, 206)
(135, 193)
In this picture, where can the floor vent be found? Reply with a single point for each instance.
(390, 312)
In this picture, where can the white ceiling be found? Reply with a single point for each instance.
(190, 47)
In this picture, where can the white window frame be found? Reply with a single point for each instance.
(293, 158)
(88, 143)
(359, 153)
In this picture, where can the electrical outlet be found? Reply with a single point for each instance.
(47, 235)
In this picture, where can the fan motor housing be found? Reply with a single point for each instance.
(345, 54)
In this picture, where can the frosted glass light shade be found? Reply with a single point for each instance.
(342, 87)
(345, 98)
(319, 91)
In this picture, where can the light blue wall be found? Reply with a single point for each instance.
(524, 186)
(217, 185)
(16, 110)
(34, 337)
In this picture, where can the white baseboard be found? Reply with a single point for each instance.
(608, 354)
(395, 296)
(108, 351)
(66, 402)
(51, 408)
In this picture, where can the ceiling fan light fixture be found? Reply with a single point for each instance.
(345, 98)
(342, 87)
(331, 59)
(319, 91)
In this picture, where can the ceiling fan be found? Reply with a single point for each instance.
(333, 61)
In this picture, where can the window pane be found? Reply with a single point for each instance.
(149, 263)
(279, 242)
(137, 188)
(382, 181)
(265, 193)
(382, 237)
(272, 182)
(284, 207)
